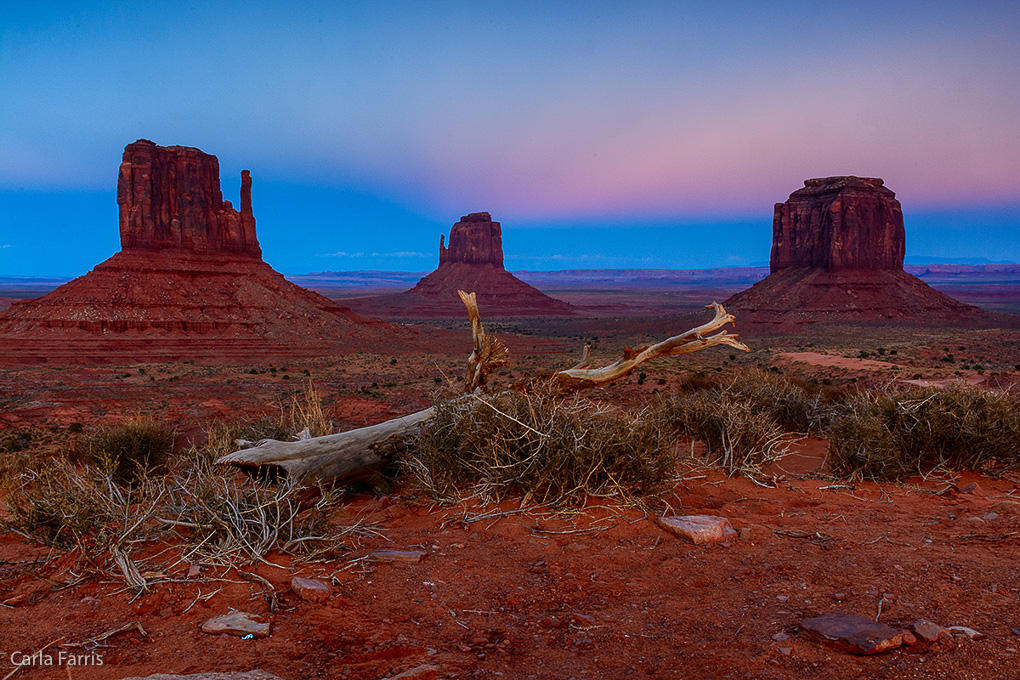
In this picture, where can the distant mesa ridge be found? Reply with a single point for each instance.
(189, 282)
(476, 239)
(838, 247)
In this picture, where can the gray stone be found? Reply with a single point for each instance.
(397, 556)
(311, 589)
(851, 633)
(964, 631)
(237, 623)
(697, 529)
(928, 631)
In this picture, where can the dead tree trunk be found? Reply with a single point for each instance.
(358, 455)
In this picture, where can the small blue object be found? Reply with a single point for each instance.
(249, 636)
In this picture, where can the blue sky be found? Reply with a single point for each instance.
(656, 134)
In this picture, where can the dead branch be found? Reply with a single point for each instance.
(359, 455)
(489, 352)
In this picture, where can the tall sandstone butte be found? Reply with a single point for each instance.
(169, 198)
(837, 254)
(473, 263)
(189, 282)
(839, 223)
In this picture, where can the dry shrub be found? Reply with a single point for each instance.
(891, 435)
(65, 506)
(551, 449)
(222, 437)
(225, 519)
(737, 435)
(128, 452)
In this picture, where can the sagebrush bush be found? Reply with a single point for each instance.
(738, 435)
(128, 452)
(891, 435)
(551, 449)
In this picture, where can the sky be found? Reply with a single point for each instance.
(600, 134)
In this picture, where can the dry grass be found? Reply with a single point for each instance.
(223, 518)
(544, 448)
(129, 452)
(895, 434)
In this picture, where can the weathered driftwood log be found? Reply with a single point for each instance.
(358, 455)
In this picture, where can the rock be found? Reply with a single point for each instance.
(989, 516)
(851, 633)
(964, 631)
(237, 623)
(426, 671)
(746, 534)
(786, 651)
(472, 263)
(311, 589)
(194, 571)
(970, 487)
(476, 239)
(837, 253)
(780, 637)
(697, 529)
(1007, 508)
(169, 197)
(582, 619)
(250, 675)
(397, 556)
(928, 631)
(188, 282)
(839, 223)
(909, 639)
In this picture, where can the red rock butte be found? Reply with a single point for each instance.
(189, 282)
(472, 263)
(837, 255)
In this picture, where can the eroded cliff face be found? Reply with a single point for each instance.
(476, 239)
(838, 223)
(170, 198)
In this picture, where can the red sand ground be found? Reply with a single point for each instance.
(600, 593)
(603, 593)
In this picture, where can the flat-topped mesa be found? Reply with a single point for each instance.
(476, 239)
(169, 198)
(837, 223)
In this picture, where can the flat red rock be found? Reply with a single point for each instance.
(851, 633)
(697, 529)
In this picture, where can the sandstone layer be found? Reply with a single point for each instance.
(188, 283)
(837, 255)
(473, 263)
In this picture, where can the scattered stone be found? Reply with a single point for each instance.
(851, 633)
(786, 651)
(237, 623)
(971, 487)
(1007, 508)
(697, 529)
(583, 619)
(839, 597)
(426, 671)
(929, 631)
(909, 639)
(250, 675)
(780, 637)
(746, 534)
(964, 631)
(989, 516)
(194, 571)
(397, 556)
(1015, 631)
(311, 589)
